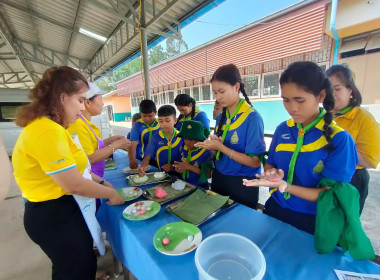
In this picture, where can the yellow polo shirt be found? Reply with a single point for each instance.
(365, 131)
(44, 148)
(86, 138)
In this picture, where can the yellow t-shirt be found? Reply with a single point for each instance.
(44, 148)
(86, 138)
(365, 131)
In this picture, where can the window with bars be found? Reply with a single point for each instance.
(196, 93)
(206, 92)
(170, 96)
(271, 86)
(155, 99)
(186, 91)
(251, 85)
(162, 99)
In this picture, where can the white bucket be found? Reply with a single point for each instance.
(228, 256)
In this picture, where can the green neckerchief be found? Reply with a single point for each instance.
(186, 173)
(228, 123)
(169, 144)
(342, 112)
(149, 127)
(301, 133)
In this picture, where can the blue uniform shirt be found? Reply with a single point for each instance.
(246, 135)
(313, 162)
(140, 133)
(199, 116)
(197, 158)
(158, 149)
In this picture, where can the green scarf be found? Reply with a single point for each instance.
(186, 173)
(301, 133)
(149, 127)
(228, 123)
(342, 112)
(169, 144)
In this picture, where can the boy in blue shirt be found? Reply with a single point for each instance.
(196, 163)
(141, 133)
(165, 146)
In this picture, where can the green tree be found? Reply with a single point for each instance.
(106, 83)
(175, 46)
(157, 54)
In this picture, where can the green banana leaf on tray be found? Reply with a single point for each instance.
(200, 206)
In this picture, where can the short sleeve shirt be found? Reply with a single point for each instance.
(197, 158)
(158, 149)
(314, 161)
(44, 148)
(199, 116)
(86, 138)
(245, 135)
(140, 133)
(365, 131)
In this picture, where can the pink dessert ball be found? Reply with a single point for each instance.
(165, 241)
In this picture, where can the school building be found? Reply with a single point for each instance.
(262, 50)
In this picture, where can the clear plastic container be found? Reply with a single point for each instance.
(229, 256)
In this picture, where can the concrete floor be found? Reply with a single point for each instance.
(21, 259)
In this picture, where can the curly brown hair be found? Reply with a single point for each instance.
(46, 95)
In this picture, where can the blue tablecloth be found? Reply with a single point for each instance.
(289, 252)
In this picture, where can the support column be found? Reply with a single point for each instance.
(144, 52)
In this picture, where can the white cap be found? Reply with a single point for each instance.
(94, 90)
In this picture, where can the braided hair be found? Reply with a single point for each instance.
(311, 78)
(229, 74)
(185, 100)
(344, 74)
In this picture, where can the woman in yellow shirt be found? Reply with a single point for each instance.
(358, 122)
(89, 136)
(48, 167)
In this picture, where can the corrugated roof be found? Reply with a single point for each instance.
(42, 33)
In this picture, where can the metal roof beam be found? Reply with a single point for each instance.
(112, 12)
(14, 78)
(51, 57)
(158, 32)
(8, 37)
(130, 7)
(113, 44)
(45, 18)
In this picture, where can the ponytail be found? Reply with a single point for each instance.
(219, 132)
(193, 109)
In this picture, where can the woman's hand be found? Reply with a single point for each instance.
(215, 143)
(116, 199)
(281, 185)
(271, 174)
(122, 143)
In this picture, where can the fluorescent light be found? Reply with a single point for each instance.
(92, 34)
